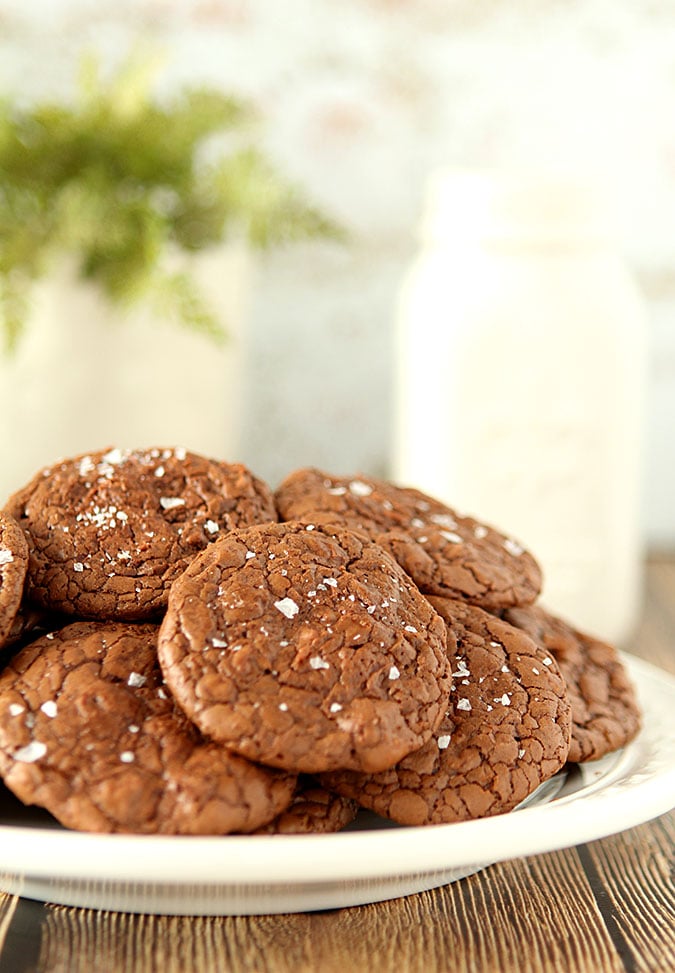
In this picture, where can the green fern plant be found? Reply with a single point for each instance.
(119, 178)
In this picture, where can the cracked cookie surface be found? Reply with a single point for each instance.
(605, 710)
(89, 732)
(109, 531)
(444, 552)
(306, 648)
(505, 731)
(13, 566)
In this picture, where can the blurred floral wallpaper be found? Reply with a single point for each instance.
(361, 100)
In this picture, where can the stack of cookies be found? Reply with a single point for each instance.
(187, 652)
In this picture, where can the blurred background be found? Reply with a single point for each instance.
(360, 100)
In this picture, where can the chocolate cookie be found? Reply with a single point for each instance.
(109, 531)
(443, 552)
(88, 731)
(13, 565)
(306, 648)
(605, 710)
(506, 730)
(313, 810)
(29, 622)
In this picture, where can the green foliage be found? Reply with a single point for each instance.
(120, 178)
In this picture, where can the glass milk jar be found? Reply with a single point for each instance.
(521, 357)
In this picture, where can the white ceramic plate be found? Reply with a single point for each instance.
(235, 875)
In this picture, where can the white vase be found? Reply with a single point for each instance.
(86, 375)
(521, 382)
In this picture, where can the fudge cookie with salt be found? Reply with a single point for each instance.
(31, 621)
(306, 648)
(89, 732)
(313, 810)
(444, 553)
(605, 710)
(506, 730)
(13, 565)
(109, 531)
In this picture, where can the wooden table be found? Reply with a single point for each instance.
(604, 906)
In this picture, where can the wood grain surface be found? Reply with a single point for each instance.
(604, 906)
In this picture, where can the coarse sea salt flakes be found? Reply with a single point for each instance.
(31, 752)
(444, 741)
(463, 704)
(49, 708)
(114, 457)
(360, 489)
(15, 709)
(450, 536)
(136, 680)
(316, 662)
(127, 757)
(513, 547)
(211, 526)
(335, 707)
(394, 672)
(168, 503)
(6, 557)
(287, 607)
(78, 566)
(443, 520)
